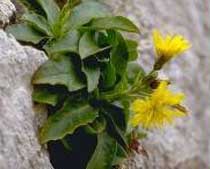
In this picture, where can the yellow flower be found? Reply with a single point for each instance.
(168, 47)
(159, 109)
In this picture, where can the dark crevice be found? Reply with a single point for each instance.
(82, 147)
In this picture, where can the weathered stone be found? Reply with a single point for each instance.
(185, 145)
(7, 10)
(19, 122)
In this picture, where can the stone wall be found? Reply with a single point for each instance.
(185, 145)
(7, 9)
(20, 120)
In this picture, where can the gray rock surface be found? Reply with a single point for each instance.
(185, 145)
(19, 121)
(7, 10)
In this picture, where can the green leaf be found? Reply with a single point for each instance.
(38, 22)
(119, 54)
(124, 104)
(32, 5)
(134, 70)
(114, 22)
(117, 134)
(86, 11)
(68, 43)
(88, 47)
(116, 123)
(108, 75)
(60, 71)
(137, 77)
(117, 92)
(101, 39)
(117, 114)
(121, 155)
(59, 27)
(92, 75)
(25, 33)
(104, 153)
(132, 50)
(66, 144)
(74, 3)
(45, 95)
(98, 126)
(66, 120)
(51, 9)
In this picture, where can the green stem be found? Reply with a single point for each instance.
(135, 91)
(66, 144)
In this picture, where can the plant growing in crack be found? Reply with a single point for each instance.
(91, 82)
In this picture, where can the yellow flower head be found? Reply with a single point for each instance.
(159, 109)
(169, 46)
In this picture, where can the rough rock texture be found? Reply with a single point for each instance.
(19, 146)
(185, 145)
(7, 10)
